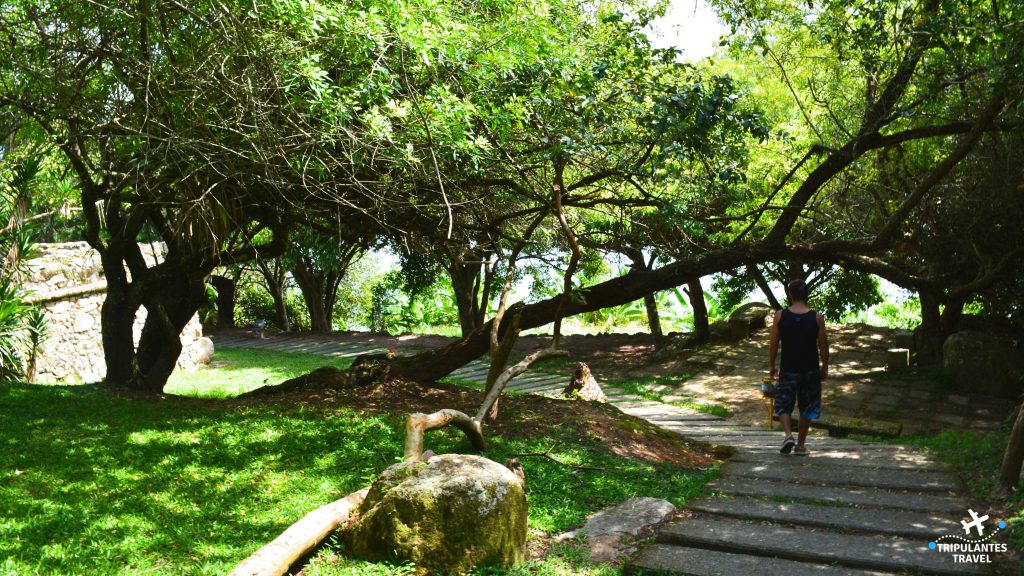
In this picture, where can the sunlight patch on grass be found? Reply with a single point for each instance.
(658, 388)
(235, 371)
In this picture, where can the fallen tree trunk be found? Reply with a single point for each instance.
(1009, 472)
(299, 539)
(439, 362)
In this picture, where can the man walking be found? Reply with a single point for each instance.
(802, 333)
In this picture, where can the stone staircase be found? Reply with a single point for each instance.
(850, 508)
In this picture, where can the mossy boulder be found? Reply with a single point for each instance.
(749, 318)
(985, 363)
(446, 515)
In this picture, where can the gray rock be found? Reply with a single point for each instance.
(629, 517)
(84, 322)
(984, 363)
(607, 530)
(445, 515)
(749, 318)
(203, 350)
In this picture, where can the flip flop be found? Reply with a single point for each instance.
(801, 451)
(787, 446)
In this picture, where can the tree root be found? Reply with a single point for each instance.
(277, 557)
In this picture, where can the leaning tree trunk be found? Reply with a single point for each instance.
(949, 321)
(313, 297)
(651, 305)
(1013, 458)
(929, 347)
(117, 320)
(171, 297)
(225, 300)
(275, 279)
(755, 272)
(639, 263)
(439, 362)
(169, 309)
(465, 284)
(701, 326)
(330, 295)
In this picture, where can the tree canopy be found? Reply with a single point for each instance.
(474, 135)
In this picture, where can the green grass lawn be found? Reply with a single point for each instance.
(238, 370)
(93, 483)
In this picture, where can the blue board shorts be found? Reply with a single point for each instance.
(803, 388)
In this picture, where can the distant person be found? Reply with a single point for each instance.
(802, 333)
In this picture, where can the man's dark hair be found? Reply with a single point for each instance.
(797, 290)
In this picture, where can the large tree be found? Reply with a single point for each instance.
(197, 125)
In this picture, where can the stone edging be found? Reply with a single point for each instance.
(67, 293)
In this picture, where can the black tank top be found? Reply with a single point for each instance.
(799, 336)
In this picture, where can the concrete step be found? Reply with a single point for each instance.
(806, 471)
(853, 457)
(845, 495)
(921, 525)
(710, 427)
(659, 417)
(770, 444)
(472, 374)
(628, 402)
(885, 553)
(682, 560)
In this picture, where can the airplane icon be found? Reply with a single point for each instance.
(975, 523)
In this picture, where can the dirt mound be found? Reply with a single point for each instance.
(520, 416)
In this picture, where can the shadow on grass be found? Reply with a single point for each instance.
(90, 482)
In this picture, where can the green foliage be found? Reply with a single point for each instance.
(13, 312)
(905, 314)
(730, 290)
(394, 309)
(36, 327)
(253, 302)
(22, 326)
(846, 292)
(355, 294)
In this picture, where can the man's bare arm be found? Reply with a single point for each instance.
(773, 344)
(823, 346)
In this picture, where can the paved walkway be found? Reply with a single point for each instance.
(859, 386)
(850, 508)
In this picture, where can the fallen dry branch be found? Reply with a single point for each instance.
(547, 454)
(300, 538)
(419, 423)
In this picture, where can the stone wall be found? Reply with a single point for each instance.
(67, 281)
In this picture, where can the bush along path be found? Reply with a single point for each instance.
(848, 508)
